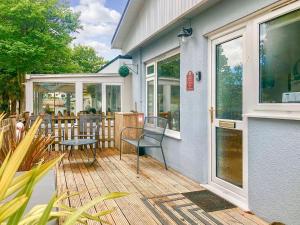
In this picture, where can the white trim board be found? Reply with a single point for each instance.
(153, 77)
(233, 193)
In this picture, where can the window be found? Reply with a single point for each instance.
(163, 90)
(168, 91)
(279, 59)
(229, 73)
(113, 98)
(57, 98)
(150, 69)
(92, 98)
(150, 98)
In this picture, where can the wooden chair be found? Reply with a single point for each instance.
(152, 135)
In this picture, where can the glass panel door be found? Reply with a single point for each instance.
(113, 98)
(227, 109)
(92, 97)
(229, 155)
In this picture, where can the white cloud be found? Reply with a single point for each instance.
(95, 12)
(99, 24)
(233, 50)
(101, 48)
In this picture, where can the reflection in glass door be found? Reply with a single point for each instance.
(226, 112)
(150, 97)
(229, 155)
(113, 98)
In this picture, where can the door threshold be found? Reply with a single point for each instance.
(239, 201)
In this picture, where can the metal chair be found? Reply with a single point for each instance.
(152, 135)
(46, 128)
(89, 130)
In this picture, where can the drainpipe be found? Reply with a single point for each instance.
(141, 78)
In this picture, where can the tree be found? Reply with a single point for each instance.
(86, 59)
(229, 87)
(35, 36)
(9, 91)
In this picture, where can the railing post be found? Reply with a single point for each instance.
(66, 126)
(103, 130)
(73, 121)
(59, 127)
(12, 126)
(109, 128)
(26, 116)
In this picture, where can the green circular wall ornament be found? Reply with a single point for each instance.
(124, 71)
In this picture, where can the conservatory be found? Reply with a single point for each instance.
(73, 93)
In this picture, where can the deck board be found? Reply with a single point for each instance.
(155, 194)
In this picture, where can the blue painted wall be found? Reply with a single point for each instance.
(274, 169)
(270, 180)
(190, 154)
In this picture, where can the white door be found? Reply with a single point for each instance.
(227, 152)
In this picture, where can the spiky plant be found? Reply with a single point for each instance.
(37, 151)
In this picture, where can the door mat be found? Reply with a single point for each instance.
(208, 201)
(177, 209)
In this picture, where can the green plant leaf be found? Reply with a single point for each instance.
(84, 215)
(35, 217)
(9, 208)
(72, 219)
(16, 159)
(46, 214)
(27, 190)
(1, 137)
(21, 180)
(3, 166)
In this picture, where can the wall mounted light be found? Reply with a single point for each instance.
(185, 33)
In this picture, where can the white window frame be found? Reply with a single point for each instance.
(89, 83)
(149, 65)
(154, 98)
(51, 82)
(235, 194)
(271, 107)
(149, 78)
(153, 77)
(104, 103)
(103, 86)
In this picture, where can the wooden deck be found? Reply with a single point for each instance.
(155, 196)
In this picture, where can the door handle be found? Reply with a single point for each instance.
(211, 112)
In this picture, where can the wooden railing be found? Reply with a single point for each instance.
(7, 126)
(67, 127)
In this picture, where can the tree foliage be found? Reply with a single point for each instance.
(229, 87)
(35, 37)
(35, 34)
(86, 59)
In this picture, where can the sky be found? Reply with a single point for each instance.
(99, 19)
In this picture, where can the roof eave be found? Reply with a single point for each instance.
(129, 14)
(113, 60)
(119, 24)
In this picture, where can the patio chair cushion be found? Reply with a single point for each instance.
(143, 142)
